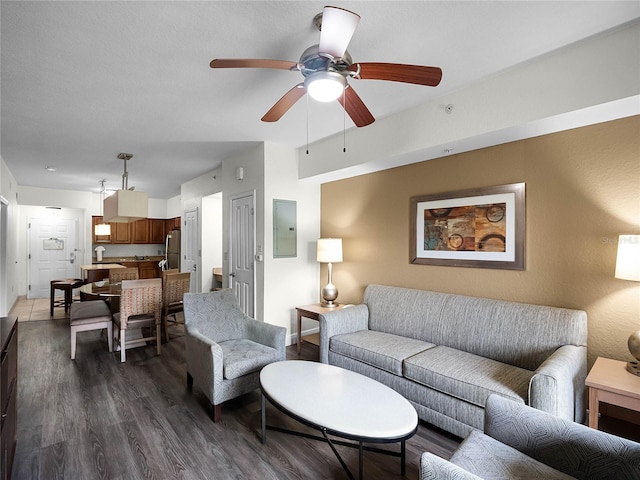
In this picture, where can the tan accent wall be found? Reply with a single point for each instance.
(582, 191)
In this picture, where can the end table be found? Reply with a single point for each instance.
(312, 312)
(609, 382)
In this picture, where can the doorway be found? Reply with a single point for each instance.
(4, 208)
(212, 241)
(52, 253)
(242, 251)
(189, 262)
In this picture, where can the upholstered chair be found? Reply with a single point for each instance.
(225, 349)
(174, 286)
(523, 442)
(140, 306)
(117, 275)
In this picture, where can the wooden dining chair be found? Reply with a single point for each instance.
(174, 286)
(119, 274)
(140, 306)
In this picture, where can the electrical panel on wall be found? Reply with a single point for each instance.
(284, 229)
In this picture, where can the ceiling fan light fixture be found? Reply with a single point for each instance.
(325, 86)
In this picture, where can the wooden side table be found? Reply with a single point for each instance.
(609, 382)
(312, 312)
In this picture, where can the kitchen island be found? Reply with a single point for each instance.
(147, 265)
(97, 271)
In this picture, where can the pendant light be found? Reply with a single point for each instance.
(102, 228)
(126, 205)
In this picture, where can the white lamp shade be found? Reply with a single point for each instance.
(329, 250)
(126, 206)
(628, 260)
(338, 26)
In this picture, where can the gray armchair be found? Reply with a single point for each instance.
(225, 349)
(522, 442)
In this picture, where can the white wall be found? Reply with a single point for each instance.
(592, 81)
(13, 263)
(252, 161)
(290, 282)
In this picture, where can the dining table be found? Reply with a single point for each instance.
(103, 290)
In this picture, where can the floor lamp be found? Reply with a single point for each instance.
(329, 251)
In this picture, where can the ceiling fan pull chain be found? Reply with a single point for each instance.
(307, 124)
(344, 122)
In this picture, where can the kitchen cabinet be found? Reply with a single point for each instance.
(8, 394)
(98, 238)
(120, 233)
(146, 268)
(156, 230)
(173, 224)
(145, 231)
(140, 231)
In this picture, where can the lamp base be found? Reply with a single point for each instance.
(329, 304)
(633, 367)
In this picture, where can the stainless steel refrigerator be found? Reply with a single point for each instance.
(172, 255)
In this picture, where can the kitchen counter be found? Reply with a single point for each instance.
(146, 258)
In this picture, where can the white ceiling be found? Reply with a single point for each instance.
(84, 81)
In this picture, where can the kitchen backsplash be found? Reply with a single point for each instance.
(128, 250)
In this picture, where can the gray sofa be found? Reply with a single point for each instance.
(522, 442)
(447, 353)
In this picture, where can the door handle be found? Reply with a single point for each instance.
(232, 274)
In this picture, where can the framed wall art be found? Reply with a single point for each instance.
(482, 227)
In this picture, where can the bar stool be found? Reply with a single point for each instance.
(67, 285)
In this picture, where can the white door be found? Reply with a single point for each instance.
(242, 246)
(52, 254)
(191, 249)
(4, 309)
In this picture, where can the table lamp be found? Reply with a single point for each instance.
(329, 251)
(628, 268)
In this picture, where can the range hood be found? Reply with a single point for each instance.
(126, 205)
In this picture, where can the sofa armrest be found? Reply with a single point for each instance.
(434, 467)
(557, 385)
(204, 362)
(268, 334)
(346, 320)
(567, 446)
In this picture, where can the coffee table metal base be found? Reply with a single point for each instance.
(332, 443)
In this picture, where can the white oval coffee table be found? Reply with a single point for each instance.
(340, 403)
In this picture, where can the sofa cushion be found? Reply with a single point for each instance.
(240, 357)
(382, 350)
(489, 459)
(467, 376)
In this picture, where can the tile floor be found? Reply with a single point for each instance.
(37, 309)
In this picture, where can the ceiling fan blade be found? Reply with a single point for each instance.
(355, 108)
(338, 26)
(398, 72)
(252, 63)
(283, 105)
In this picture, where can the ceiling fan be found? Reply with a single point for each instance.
(327, 66)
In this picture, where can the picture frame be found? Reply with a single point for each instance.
(481, 228)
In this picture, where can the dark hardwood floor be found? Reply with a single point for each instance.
(96, 418)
